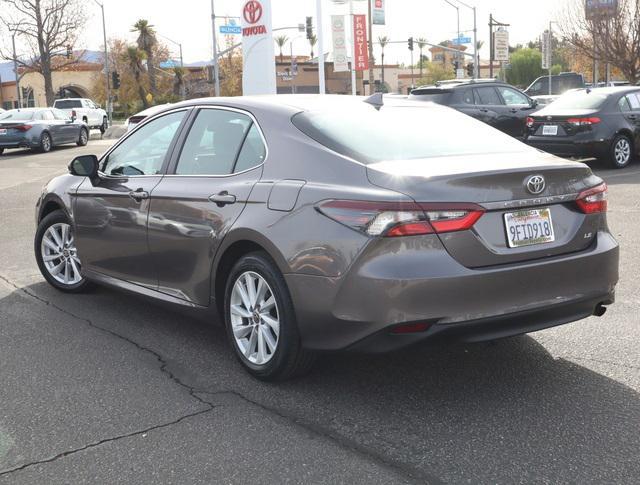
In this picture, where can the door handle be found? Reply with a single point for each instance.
(513, 110)
(139, 195)
(223, 198)
(483, 110)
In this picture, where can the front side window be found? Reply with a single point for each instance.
(144, 152)
(488, 96)
(214, 143)
(512, 97)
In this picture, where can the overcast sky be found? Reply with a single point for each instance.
(189, 21)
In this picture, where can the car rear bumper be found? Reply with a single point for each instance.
(569, 147)
(417, 281)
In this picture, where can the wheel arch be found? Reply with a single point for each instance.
(236, 245)
(51, 204)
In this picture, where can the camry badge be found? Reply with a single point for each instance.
(535, 184)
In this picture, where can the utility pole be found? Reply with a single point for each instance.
(106, 65)
(15, 68)
(321, 81)
(371, 60)
(216, 73)
(354, 87)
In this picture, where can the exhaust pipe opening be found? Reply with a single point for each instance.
(600, 310)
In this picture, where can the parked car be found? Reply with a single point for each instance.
(328, 223)
(134, 120)
(560, 84)
(39, 129)
(602, 123)
(495, 103)
(84, 110)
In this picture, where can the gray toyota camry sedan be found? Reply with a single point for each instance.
(319, 223)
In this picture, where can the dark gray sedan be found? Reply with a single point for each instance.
(316, 223)
(40, 129)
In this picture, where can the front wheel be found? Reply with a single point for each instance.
(104, 126)
(621, 152)
(261, 323)
(56, 253)
(1, 151)
(83, 139)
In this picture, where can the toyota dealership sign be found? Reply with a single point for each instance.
(259, 70)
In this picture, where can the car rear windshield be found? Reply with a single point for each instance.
(369, 135)
(17, 116)
(68, 104)
(580, 100)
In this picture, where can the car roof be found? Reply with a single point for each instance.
(28, 109)
(608, 90)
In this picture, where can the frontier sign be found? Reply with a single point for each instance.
(258, 53)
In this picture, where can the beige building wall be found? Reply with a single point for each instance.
(8, 95)
(81, 81)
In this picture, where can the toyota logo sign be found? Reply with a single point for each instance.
(535, 184)
(252, 11)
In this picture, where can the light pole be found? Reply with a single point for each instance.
(216, 74)
(476, 63)
(458, 29)
(15, 64)
(106, 64)
(320, 36)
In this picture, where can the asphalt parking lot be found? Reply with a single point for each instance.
(107, 388)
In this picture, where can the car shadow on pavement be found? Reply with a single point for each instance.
(493, 412)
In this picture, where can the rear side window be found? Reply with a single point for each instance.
(488, 96)
(467, 97)
(47, 115)
(253, 151)
(634, 101)
(213, 143)
(68, 103)
(17, 115)
(623, 104)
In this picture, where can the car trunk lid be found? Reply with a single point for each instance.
(555, 123)
(498, 182)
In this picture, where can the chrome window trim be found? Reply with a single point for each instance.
(237, 110)
(148, 119)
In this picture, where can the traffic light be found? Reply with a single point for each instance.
(309, 27)
(456, 65)
(410, 43)
(470, 69)
(69, 52)
(115, 79)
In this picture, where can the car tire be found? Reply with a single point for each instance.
(46, 144)
(261, 323)
(64, 272)
(104, 126)
(621, 152)
(83, 139)
(1, 151)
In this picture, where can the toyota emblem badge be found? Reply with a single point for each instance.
(535, 184)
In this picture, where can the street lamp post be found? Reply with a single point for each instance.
(15, 67)
(321, 81)
(476, 60)
(458, 15)
(216, 73)
(106, 64)
(182, 88)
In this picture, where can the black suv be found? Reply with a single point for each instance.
(560, 84)
(497, 104)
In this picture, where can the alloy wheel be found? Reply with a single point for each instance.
(255, 320)
(622, 151)
(59, 254)
(83, 137)
(46, 143)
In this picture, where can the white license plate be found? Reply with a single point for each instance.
(3, 131)
(550, 130)
(528, 227)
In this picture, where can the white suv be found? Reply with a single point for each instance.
(84, 110)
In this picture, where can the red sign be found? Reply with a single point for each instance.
(361, 54)
(252, 11)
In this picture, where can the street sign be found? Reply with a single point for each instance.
(501, 45)
(230, 29)
(545, 46)
(595, 9)
(377, 12)
(461, 40)
(460, 73)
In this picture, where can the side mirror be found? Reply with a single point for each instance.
(85, 166)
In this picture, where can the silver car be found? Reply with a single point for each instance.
(318, 223)
(40, 129)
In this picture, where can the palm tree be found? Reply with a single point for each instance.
(281, 40)
(134, 57)
(422, 43)
(147, 42)
(312, 42)
(383, 41)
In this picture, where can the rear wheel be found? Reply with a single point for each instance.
(261, 322)
(45, 142)
(1, 151)
(56, 253)
(83, 139)
(621, 152)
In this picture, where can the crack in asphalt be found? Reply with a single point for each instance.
(408, 471)
(101, 442)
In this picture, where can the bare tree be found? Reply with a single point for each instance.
(614, 39)
(49, 29)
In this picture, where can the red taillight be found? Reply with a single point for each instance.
(594, 200)
(396, 219)
(410, 328)
(584, 121)
(530, 122)
(22, 127)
